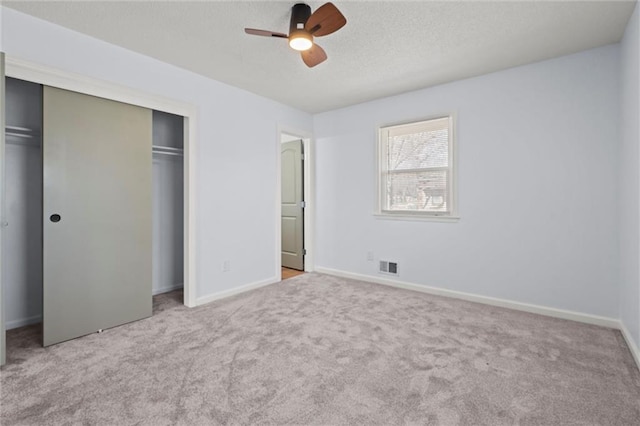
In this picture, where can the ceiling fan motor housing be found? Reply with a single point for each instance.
(304, 26)
(299, 15)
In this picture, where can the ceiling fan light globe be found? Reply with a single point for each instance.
(300, 41)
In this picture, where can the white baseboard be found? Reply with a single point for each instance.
(9, 325)
(232, 292)
(504, 303)
(633, 346)
(166, 289)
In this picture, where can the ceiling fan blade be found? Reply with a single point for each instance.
(314, 56)
(264, 33)
(325, 20)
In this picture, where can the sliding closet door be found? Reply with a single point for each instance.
(97, 214)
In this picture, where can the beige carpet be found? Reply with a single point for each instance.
(322, 350)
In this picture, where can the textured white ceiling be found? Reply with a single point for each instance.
(386, 48)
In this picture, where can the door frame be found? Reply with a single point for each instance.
(41, 74)
(3, 342)
(309, 197)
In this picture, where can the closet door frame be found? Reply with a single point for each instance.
(40, 74)
(3, 342)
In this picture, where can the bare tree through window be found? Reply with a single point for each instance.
(416, 166)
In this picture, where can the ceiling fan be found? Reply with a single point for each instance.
(305, 26)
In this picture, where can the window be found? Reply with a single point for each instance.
(416, 169)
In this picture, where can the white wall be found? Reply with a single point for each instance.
(537, 148)
(629, 179)
(236, 146)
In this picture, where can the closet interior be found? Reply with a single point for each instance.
(22, 251)
(22, 273)
(168, 202)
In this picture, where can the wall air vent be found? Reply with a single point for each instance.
(387, 267)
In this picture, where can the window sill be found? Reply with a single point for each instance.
(416, 218)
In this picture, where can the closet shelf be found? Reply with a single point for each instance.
(167, 150)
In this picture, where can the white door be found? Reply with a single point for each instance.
(292, 205)
(96, 214)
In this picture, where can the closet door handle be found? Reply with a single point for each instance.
(55, 218)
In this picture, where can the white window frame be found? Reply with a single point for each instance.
(380, 212)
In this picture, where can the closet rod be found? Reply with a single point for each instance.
(167, 150)
(29, 137)
(18, 135)
(21, 132)
(21, 129)
(176, 154)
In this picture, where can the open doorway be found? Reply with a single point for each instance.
(294, 204)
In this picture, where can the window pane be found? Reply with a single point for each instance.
(418, 150)
(421, 191)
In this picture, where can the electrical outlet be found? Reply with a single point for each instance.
(370, 256)
(226, 266)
